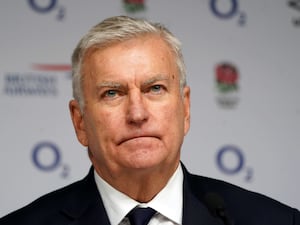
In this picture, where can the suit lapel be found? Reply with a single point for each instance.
(194, 211)
(84, 205)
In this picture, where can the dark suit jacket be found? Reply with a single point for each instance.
(81, 204)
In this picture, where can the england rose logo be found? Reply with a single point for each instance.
(226, 78)
(133, 6)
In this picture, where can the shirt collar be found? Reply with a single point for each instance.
(117, 204)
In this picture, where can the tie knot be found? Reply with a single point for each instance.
(140, 216)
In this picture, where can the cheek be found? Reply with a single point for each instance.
(95, 124)
(107, 126)
(172, 119)
(100, 132)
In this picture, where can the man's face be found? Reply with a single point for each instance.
(135, 117)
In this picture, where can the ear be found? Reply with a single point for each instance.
(78, 122)
(187, 108)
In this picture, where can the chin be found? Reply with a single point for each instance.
(151, 163)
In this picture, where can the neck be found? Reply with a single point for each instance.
(141, 186)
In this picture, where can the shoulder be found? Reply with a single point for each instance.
(50, 207)
(242, 204)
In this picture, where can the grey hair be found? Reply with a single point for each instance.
(117, 29)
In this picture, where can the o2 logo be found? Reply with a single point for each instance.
(231, 10)
(295, 4)
(48, 6)
(46, 156)
(231, 161)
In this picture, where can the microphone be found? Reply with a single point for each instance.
(216, 206)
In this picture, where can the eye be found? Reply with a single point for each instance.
(110, 94)
(156, 88)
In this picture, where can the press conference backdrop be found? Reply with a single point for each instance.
(242, 61)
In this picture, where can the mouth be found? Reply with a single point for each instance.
(137, 138)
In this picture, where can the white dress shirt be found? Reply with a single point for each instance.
(168, 202)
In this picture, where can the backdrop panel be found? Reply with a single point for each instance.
(242, 59)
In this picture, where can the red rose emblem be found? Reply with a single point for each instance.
(226, 74)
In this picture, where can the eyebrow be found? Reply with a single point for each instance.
(114, 84)
(111, 84)
(154, 79)
(107, 85)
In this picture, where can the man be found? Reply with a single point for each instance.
(131, 109)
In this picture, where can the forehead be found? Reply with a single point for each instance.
(141, 55)
(153, 40)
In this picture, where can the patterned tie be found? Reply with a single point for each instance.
(140, 216)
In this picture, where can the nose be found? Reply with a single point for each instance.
(137, 112)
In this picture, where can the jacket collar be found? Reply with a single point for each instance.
(194, 210)
(84, 205)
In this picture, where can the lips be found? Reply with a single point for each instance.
(136, 138)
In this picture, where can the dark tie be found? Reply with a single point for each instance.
(140, 216)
